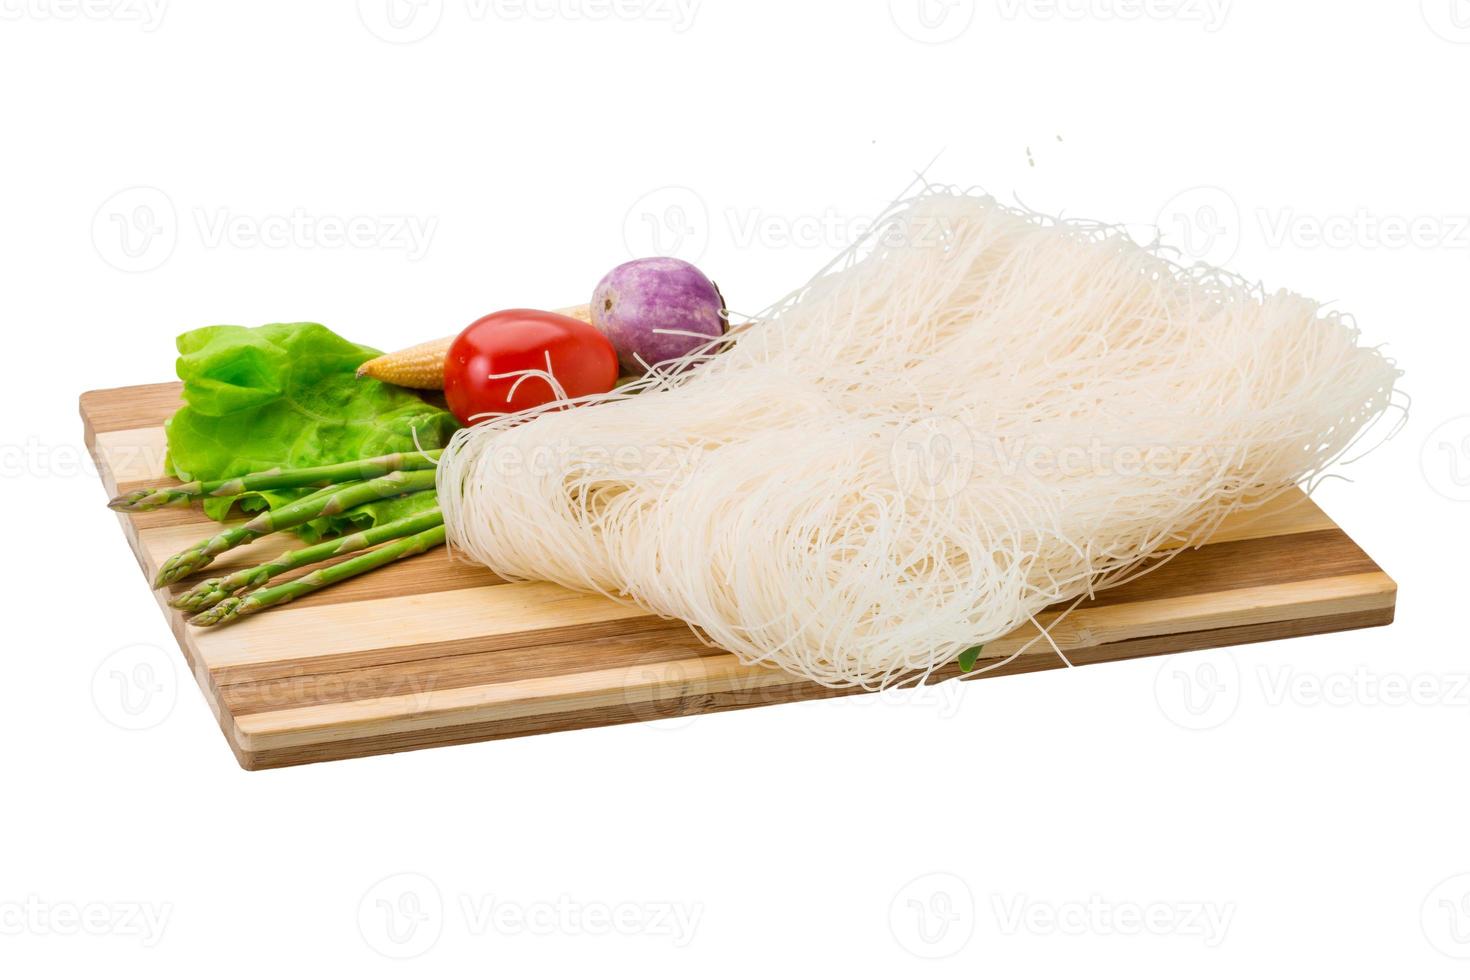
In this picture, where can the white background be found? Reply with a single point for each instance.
(1310, 818)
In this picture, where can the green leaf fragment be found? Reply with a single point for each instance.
(968, 659)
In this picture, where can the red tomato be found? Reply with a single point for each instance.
(485, 363)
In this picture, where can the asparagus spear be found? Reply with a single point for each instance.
(233, 607)
(152, 498)
(324, 503)
(212, 591)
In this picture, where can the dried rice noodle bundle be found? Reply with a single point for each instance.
(976, 413)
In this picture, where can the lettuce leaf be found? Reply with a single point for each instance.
(286, 394)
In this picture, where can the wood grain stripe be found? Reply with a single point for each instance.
(135, 457)
(1247, 562)
(129, 408)
(403, 628)
(660, 641)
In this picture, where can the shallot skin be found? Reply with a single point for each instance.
(657, 309)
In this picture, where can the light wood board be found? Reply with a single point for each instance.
(431, 651)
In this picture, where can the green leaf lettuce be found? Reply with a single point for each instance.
(286, 394)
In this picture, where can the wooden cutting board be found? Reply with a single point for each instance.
(431, 651)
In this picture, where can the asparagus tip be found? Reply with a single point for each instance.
(127, 501)
(200, 597)
(219, 614)
(180, 565)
